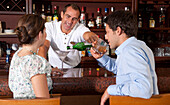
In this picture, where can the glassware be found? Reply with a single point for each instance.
(159, 52)
(100, 46)
(62, 55)
(167, 51)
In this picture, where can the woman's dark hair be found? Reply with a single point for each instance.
(29, 27)
(74, 6)
(126, 20)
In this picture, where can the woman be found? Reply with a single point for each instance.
(29, 75)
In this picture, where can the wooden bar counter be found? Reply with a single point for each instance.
(75, 81)
(86, 81)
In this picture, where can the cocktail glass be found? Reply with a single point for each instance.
(62, 55)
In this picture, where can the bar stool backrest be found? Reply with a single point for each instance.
(8, 100)
(162, 99)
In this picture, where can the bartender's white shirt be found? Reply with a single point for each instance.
(60, 41)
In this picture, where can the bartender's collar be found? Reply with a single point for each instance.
(123, 45)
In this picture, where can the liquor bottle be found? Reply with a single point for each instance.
(48, 14)
(151, 21)
(0, 27)
(92, 22)
(140, 21)
(99, 18)
(42, 12)
(112, 9)
(80, 46)
(83, 16)
(127, 8)
(1, 53)
(33, 9)
(55, 16)
(8, 52)
(97, 71)
(105, 15)
(111, 52)
(162, 18)
(107, 50)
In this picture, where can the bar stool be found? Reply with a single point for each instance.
(162, 99)
(8, 100)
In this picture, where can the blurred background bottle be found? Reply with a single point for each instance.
(112, 9)
(105, 15)
(127, 8)
(99, 18)
(55, 15)
(162, 17)
(33, 9)
(83, 16)
(42, 12)
(151, 21)
(48, 14)
(92, 22)
(139, 21)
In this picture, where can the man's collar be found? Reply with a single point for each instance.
(123, 45)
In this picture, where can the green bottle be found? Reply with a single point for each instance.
(81, 46)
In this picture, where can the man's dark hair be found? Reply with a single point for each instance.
(74, 6)
(126, 20)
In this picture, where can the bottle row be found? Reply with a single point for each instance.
(7, 50)
(159, 18)
(92, 22)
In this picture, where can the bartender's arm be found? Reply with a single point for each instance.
(44, 49)
(90, 37)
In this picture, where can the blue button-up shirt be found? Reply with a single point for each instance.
(134, 69)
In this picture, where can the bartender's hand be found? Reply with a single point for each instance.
(90, 37)
(95, 54)
(104, 97)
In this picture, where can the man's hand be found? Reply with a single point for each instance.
(104, 97)
(90, 37)
(57, 72)
(95, 54)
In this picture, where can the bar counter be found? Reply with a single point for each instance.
(77, 81)
(86, 81)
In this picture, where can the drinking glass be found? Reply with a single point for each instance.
(100, 46)
(62, 55)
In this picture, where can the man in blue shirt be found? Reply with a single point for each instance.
(134, 66)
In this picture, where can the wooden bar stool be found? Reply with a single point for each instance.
(162, 99)
(8, 100)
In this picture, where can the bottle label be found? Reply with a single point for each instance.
(49, 18)
(107, 48)
(140, 24)
(91, 24)
(83, 53)
(83, 19)
(55, 18)
(151, 23)
(7, 59)
(43, 16)
(99, 21)
(112, 51)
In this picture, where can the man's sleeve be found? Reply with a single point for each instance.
(48, 26)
